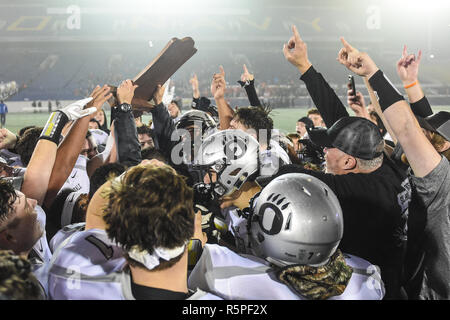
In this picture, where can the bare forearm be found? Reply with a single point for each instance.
(226, 114)
(421, 155)
(66, 158)
(38, 172)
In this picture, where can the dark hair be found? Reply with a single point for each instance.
(98, 123)
(153, 153)
(145, 130)
(177, 103)
(103, 174)
(256, 118)
(104, 127)
(17, 281)
(22, 131)
(307, 121)
(151, 207)
(26, 144)
(8, 196)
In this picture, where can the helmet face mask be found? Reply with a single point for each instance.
(296, 219)
(192, 128)
(232, 157)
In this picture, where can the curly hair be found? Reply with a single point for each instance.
(151, 207)
(145, 130)
(103, 174)
(17, 281)
(26, 144)
(7, 198)
(256, 118)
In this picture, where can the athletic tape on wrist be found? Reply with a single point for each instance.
(385, 91)
(54, 126)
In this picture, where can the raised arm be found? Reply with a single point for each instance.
(69, 150)
(195, 88)
(376, 105)
(421, 155)
(323, 96)
(248, 83)
(39, 170)
(126, 138)
(408, 70)
(218, 87)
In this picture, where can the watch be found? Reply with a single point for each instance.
(124, 107)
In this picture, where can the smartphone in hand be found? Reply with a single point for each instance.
(351, 82)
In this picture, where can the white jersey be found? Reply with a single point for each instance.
(81, 257)
(41, 254)
(78, 179)
(240, 277)
(87, 265)
(237, 225)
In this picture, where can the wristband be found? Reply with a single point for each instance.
(385, 91)
(124, 107)
(411, 85)
(53, 128)
(246, 83)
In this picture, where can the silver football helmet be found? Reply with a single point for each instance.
(296, 219)
(232, 155)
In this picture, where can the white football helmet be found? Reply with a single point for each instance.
(232, 155)
(296, 219)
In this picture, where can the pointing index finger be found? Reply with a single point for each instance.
(296, 34)
(346, 44)
(222, 72)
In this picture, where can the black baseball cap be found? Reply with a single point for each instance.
(358, 137)
(438, 122)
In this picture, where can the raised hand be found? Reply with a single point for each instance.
(357, 62)
(125, 92)
(194, 83)
(219, 85)
(296, 52)
(408, 67)
(99, 96)
(246, 76)
(357, 104)
(7, 139)
(76, 110)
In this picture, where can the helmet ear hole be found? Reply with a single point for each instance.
(300, 219)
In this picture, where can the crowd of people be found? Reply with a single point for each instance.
(217, 204)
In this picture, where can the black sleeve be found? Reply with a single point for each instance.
(163, 129)
(324, 97)
(127, 142)
(422, 108)
(249, 87)
(195, 102)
